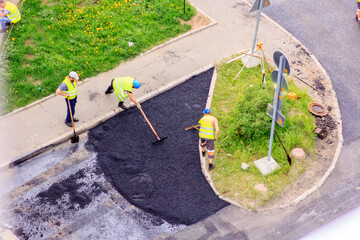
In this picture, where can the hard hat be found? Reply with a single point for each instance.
(74, 75)
(136, 83)
(206, 111)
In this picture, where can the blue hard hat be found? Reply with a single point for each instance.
(206, 111)
(136, 83)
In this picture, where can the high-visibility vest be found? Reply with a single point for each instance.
(72, 89)
(15, 14)
(206, 129)
(122, 84)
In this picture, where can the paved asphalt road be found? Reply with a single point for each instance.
(329, 30)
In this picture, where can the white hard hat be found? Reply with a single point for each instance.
(74, 75)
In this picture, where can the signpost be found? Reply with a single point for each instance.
(268, 164)
(258, 5)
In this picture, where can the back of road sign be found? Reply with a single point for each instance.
(256, 6)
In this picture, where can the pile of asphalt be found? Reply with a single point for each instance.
(164, 179)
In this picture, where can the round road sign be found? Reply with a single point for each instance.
(277, 56)
(285, 85)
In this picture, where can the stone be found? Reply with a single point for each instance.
(298, 154)
(266, 166)
(244, 166)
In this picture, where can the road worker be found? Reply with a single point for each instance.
(68, 89)
(358, 11)
(208, 133)
(9, 14)
(123, 87)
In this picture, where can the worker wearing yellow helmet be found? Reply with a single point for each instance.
(358, 11)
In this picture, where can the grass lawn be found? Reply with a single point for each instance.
(87, 36)
(240, 107)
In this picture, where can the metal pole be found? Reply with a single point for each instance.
(278, 87)
(257, 26)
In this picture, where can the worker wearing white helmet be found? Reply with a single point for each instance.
(68, 89)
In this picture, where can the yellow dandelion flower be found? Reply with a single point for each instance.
(13, 39)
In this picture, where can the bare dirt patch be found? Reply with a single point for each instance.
(36, 82)
(30, 42)
(29, 56)
(199, 20)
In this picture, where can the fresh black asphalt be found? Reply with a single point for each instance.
(164, 179)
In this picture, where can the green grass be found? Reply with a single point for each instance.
(240, 107)
(55, 37)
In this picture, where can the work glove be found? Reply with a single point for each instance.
(138, 106)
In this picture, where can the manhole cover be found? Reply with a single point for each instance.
(317, 109)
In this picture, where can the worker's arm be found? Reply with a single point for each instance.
(59, 92)
(2, 14)
(217, 130)
(131, 97)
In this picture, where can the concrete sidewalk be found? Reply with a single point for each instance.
(41, 124)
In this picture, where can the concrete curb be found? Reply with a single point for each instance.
(86, 127)
(203, 159)
(213, 22)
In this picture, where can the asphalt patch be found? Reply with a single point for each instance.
(164, 179)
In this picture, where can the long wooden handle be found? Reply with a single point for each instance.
(149, 123)
(195, 126)
(72, 120)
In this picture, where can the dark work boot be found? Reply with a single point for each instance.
(203, 153)
(109, 91)
(211, 166)
(121, 104)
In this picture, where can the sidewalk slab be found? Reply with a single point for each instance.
(43, 122)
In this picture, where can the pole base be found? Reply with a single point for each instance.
(265, 166)
(249, 60)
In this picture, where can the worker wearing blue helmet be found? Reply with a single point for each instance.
(208, 133)
(123, 87)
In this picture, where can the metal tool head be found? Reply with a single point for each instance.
(75, 139)
(159, 140)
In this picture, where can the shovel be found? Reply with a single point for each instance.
(157, 136)
(288, 156)
(75, 138)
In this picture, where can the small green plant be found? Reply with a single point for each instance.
(240, 106)
(92, 36)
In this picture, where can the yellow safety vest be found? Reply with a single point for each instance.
(206, 128)
(72, 89)
(15, 15)
(122, 84)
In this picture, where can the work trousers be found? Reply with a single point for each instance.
(110, 88)
(3, 20)
(72, 105)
